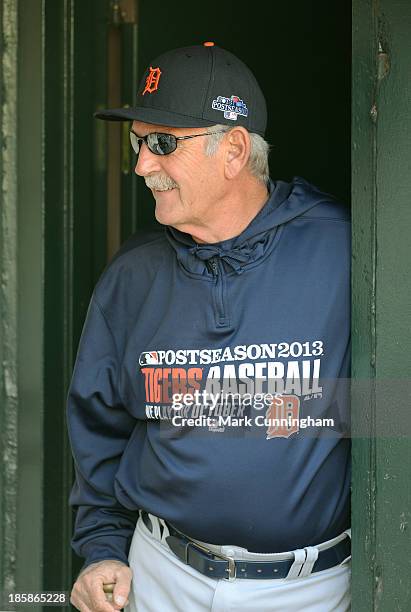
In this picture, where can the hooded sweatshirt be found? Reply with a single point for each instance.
(197, 371)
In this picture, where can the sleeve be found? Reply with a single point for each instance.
(99, 428)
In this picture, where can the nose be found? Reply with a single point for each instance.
(147, 162)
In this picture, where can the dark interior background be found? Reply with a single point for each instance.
(300, 52)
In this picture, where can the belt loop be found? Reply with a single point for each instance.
(311, 558)
(156, 526)
(348, 532)
(299, 559)
(166, 532)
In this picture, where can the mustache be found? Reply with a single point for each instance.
(160, 181)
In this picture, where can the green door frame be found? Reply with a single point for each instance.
(53, 246)
(76, 229)
(21, 303)
(381, 194)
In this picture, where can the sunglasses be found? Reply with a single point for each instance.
(162, 144)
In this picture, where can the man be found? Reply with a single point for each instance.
(205, 352)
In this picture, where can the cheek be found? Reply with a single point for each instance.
(195, 175)
(204, 172)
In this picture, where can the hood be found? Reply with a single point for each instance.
(286, 202)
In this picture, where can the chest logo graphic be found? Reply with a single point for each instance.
(152, 80)
(249, 386)
(148, 358)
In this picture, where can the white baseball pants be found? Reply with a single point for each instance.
(163, 583)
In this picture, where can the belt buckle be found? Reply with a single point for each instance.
(232, 568)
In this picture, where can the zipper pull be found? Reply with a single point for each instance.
(212, 266)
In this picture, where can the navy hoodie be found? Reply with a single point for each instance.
(233, 335)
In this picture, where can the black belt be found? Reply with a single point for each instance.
(217, 565)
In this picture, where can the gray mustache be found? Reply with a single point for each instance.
(160, 182)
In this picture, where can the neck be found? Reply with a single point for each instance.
(231, 215)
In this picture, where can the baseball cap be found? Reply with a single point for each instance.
(196, 86)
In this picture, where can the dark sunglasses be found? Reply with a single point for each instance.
(162, 144)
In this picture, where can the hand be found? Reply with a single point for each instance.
(88, 593)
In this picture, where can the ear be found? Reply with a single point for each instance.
(238, 147)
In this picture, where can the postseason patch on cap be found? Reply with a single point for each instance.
(231, 107)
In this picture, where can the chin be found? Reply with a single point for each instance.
(165, 217)
(167, 207)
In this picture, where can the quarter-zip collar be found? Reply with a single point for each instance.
(286, 201)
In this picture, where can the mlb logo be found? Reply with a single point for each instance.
(230, 115)
(148, 358)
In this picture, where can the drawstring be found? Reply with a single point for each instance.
(234, 258)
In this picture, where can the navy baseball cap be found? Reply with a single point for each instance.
(196, 86)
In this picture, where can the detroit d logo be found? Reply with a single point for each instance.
(283, 415)
(152, 80)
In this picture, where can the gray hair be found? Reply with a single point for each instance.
(258, 160)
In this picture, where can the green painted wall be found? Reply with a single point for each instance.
(22, 323)
(9, 390)
(30, 245)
